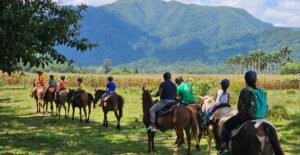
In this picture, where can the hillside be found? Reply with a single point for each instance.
(130, 30)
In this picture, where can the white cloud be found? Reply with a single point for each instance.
(281, 13)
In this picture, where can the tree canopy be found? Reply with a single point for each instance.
(31, 29)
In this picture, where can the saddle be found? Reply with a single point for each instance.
(166, 110)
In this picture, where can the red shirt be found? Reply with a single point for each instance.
(41, 81)
(63, 85)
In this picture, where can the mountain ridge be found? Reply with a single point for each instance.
(131, 30)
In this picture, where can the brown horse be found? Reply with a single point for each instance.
(180, 118)
(38, 96)
(61, 101)
(81, 101)
(49, 98)
(196, 110)
(114, 103)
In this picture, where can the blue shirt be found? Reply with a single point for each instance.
(111, 87)
(169, 90)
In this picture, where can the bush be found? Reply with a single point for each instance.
(278, 113)
(291, 92)
(1, 83)
(204, 86)
(290, 68)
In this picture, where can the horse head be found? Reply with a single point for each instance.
(98, 94)
(146, 97)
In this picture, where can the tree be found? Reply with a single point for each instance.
(107, 65)
(31, 29)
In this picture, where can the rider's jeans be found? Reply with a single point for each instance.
(156, 107)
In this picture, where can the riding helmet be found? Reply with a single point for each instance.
(225, 84)
(51, 76)
(178, 80)
(167, 76)
(110, 78)
(251, 78)
(79, 79)
(62, 77)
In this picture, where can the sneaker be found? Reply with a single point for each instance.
(152, 128)
(224, 152)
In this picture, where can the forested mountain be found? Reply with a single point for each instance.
(129, 31)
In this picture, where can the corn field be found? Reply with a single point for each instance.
(152, 81)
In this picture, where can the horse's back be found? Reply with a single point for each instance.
(63, 95)
(221, 113)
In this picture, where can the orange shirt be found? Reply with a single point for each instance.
(63, 85)
(41, 81)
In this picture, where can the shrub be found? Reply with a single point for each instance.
(1, 83)
(278, 113)
(291, 92)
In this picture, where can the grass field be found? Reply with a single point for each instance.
(24, 132)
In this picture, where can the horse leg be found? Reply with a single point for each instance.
(51, 107)
(180, 136)
(37, 106)
(68, 108)
(210, 136)
(59, 108)
(89, 106)
(149, 141)
(86, 119)
(188, 138)
(118, 118)
(65, 111)
(152, 141)
(73, 113)
(105, 119)
(80, 114)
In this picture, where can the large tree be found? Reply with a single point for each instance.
(31, 29)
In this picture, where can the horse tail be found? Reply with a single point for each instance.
(272, 134)
(195, 127)
(120, 105)
(91, 99)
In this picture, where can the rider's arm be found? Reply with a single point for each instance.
(244, 99)
(159, 92)
(228, 102)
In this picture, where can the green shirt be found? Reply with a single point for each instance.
(185, 93)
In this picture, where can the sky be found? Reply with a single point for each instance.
(278, 12)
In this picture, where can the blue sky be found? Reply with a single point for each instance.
(277, 12)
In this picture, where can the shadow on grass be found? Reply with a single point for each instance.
(48, 135)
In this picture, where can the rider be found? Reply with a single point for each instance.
(40, 82)
(242, 115)
(110, 90)
(222, 98)
(79, 89)
(52, 83)
(167, 93)
(62, 85)
(184, 92)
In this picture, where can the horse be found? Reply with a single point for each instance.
(49, 98)
(255, 137)
(38, 96)
(180, 118)
(219, 117)
(114, 103)
(81, 101)
(61, 101)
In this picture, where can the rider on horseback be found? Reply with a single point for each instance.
(40, 82)
(79, 89)
(167, 93)
(52, 83)
(110, 90)
(184, 92)
(222, 99)
(62, 85)
(242, 115)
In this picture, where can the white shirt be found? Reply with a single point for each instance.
(221, 97)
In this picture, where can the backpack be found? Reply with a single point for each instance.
(258, 106)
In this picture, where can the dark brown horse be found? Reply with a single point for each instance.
(49, 98)
(180, 118)
(38, 96)
(81, 101)
(114, 103)
(61, 100)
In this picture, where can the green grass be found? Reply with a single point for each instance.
(24, 132)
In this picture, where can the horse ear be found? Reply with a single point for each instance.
(95, 89)
(143, 88)
(150, 91)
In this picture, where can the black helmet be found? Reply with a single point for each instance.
(79, 79)
(225, 84)
(51, 77)
(167, 76)
(178, 80)
(110, 78)
(62, 77)
(39, 72)
(251, 78)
